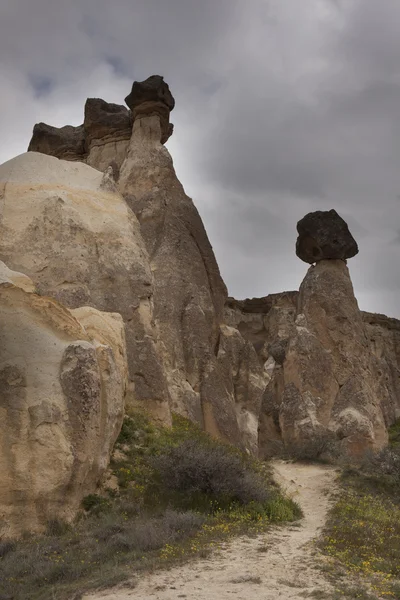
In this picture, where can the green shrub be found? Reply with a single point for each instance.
(394, 434)
(95, 503)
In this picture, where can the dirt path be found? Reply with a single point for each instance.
(279, 563)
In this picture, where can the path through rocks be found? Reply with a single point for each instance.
(278, 564)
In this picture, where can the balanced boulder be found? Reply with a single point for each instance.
(324, 235)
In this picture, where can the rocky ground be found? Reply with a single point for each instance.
(281, 563)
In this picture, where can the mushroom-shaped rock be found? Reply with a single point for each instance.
(324, 235)
(152, 97)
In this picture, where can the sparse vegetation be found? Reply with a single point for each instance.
(345, 592)
(363, 532)
(394, 434)
(247, 579)
(180, 492)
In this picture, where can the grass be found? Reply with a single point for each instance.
(180, 493)
(345, 592)
(363, 531)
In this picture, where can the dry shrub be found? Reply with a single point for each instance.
(6, 547)
(196, 471)
(153, 533)
(323, 446)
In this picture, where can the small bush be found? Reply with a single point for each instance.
(55, 527)
(394, 434)
(212, 472)
(6, 547)
(323, 446)
(95, 503)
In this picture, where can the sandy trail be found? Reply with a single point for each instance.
(279, 563)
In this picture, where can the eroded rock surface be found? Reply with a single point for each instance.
(66, 226)
(332, 379)
(189, 293)
(62, 395)
(108, 129)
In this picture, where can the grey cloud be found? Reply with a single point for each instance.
(282, 109)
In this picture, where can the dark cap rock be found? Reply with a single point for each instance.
(324, 235)
(152, 97)
(104, 120)
(153, 89)
(62, 142)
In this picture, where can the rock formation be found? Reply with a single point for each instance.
(108, 129)
(152, 97)
(185, 288)
(62, 142)
(96, 218)
(331, 368)
(189, 293)
(330, 373)
(63, 380)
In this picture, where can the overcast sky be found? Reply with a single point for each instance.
(282, 107)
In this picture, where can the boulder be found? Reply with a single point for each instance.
(153, 89)
(62, 395)
(324, 235)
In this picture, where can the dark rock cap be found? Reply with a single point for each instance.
(324, 235)
(153, 89)
(62, 142)
(107, 122)
(103, 119)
